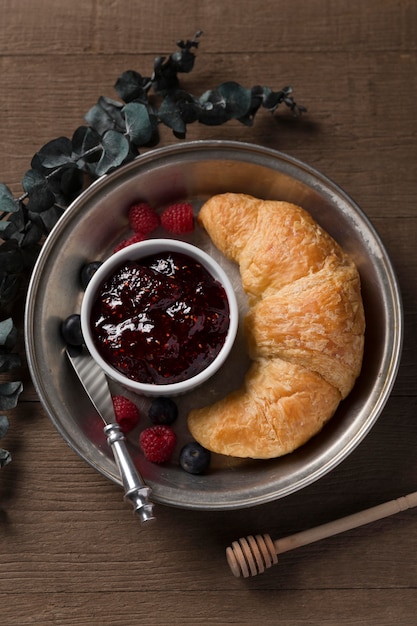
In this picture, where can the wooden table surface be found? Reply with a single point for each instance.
(71, 552)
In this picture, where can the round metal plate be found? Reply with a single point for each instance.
(195, 171)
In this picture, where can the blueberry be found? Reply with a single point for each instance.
(194, 459)
(163, 411)
(71, 330)
(88, 271)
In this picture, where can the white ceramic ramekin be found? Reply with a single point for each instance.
(134, 253)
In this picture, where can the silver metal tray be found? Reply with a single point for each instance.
(194, 171)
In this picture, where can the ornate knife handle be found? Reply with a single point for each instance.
(135, 489)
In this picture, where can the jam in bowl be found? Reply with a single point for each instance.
(160, 317)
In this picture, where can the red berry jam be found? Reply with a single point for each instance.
(160, 320)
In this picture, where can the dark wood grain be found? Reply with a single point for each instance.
(70, 551)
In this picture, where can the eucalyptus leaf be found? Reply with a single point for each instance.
(18, 219)
(238, 99)
(16, 236)
(113, 109)
(92, 140)
(213, 108)
(9, 362)
(9, 287)
(30, 254)
(5, 457)
(70, 183)
(86, 144)
(36, 165)
(179, 109)
(11, 259)
(4, 425)
(6, 229)
(138, 123)
(155, 138)
(9, 395)
(7, 333)
(46, 220)
(257, 95)
(98, 119)
(7, 202)
(132, 86)
(188, 106)
(14, 231)
(170, 115)
(65, 184)
(56, 153)
(115, 150)
(32, 179)
(164, 76)
(32, 235)
(41, 199)
(77, 140)
(101, 119)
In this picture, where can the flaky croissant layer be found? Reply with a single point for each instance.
(305, 328)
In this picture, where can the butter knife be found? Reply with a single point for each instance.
(95, 384)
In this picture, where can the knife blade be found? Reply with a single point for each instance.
(94, 382)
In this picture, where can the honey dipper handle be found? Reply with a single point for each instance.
(346, 523)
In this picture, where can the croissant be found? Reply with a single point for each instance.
(305, 328)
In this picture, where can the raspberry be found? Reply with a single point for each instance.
(129, 241)
(126, 413)
(158, 443)
(178, 218)
(142, 218)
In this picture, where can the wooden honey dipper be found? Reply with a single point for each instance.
(254, 554)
